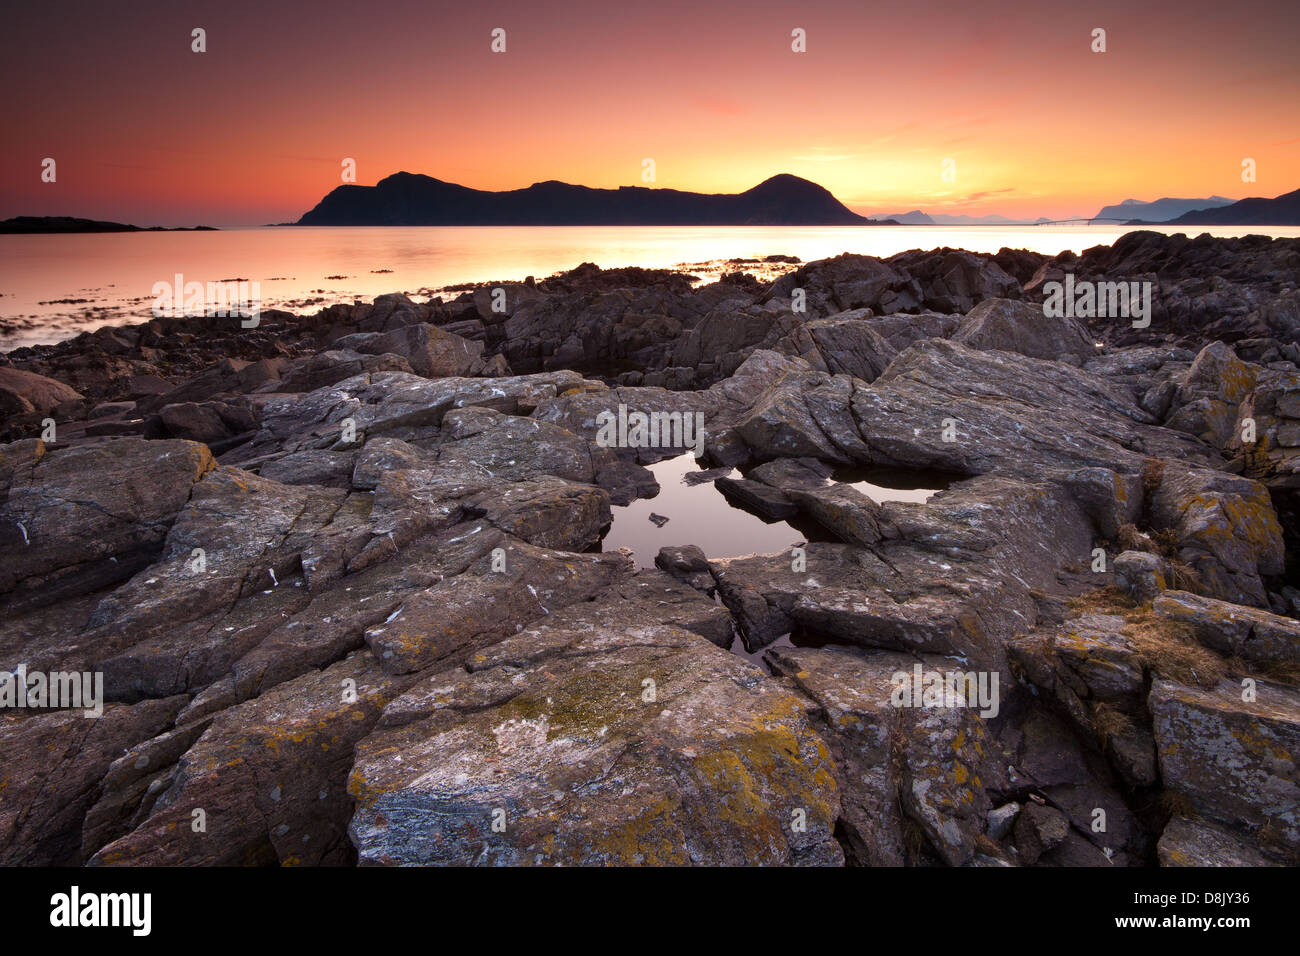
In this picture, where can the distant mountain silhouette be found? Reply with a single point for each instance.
(1282, 210)
(63, 224)
(913, 218)
(918, 218)
(408, 199)
(1160, 210)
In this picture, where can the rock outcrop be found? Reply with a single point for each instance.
(342, 575)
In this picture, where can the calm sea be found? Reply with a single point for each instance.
(52, 287)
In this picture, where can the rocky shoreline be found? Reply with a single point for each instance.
(341, 573)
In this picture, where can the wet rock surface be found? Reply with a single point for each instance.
(341, 574)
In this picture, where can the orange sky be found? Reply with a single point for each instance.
(253, 131)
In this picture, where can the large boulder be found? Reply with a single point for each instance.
(23, 392)
(509, 587)
(84, 517)
(1208, 396)
(954, 280)
(1225, 529)
(1233, 630)
(336, 365)
(781, 425)
(950, 407)
(1196, 842)
(846, 343)
(431, 351)
(937, 578)
(1010, 325)
(848, 282)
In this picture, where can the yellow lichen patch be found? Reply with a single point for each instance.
(651, 838)
(1261, 745)
(734, 784)
(972, 624)
(1240, 519)
(204, 461)
(590, 705)
(1238, 381)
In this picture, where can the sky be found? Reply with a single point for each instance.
(1007, 98)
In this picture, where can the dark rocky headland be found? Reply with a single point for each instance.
(340, 573)
(23, 225)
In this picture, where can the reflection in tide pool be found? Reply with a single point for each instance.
(699, 514)
(895, 484)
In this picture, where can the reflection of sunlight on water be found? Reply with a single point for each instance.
(292, 263)
(880, 494)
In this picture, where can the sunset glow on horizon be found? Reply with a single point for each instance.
(254, 130)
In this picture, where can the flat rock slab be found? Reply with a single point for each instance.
(1234, 760)
(1195, 842)
(588, 745)
(1247, 632)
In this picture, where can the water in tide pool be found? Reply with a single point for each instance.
(894, 484)
(52, 287)
(699, 514)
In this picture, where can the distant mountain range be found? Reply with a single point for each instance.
(408, 199)
(62, 224)
(1281, 210)
(1215, 211)
(1161, 210)
(918, 218)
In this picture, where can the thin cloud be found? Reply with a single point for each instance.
(986, 194)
